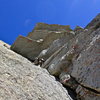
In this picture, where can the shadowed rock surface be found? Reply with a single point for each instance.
(41, 37)
(45, 54)
(80, 58)
(27, 47)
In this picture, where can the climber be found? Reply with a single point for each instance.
(41, 61)
(5, 45)
(64, 78)
(36, 61)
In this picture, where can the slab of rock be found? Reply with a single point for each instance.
(48, 36)
(43, 30)
(86, 68)
(85, 94)
(60, 60)
(35, 42)
(53, 36)
(46, 53)
(84, 65)
(38, 34)
(53, 61)
(21, 80)
(27, 47)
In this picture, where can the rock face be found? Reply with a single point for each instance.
(52, 27)
(41, 37)
(27, 47)
(72, 56)
(45, 54)
(95, 23)
(21, 80)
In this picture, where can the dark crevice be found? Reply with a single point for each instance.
(71, 92)
(88, 88)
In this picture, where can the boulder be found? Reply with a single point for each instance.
(27, 47)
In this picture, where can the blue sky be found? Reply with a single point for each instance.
(20, 16)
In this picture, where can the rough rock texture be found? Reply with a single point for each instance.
(41, 30)
(51, 27)
(27, 47)
(86, 94)
(39, 39)
(21, 80)
(45, 54)
(72, 56)
(86, 68)
(5, 44)
(80, 58)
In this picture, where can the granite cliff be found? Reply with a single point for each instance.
(71, 56)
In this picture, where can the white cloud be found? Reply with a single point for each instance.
(27, 22)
